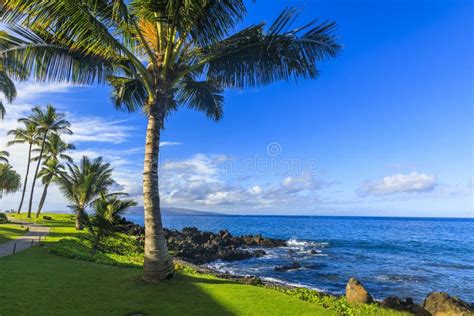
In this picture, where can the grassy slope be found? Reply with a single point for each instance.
(51, 285)
(10, 231)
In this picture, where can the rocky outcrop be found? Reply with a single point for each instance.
(441, 304)
(407, 305)
(356, 293)
(201, 247)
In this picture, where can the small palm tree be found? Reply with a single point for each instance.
(82, 184)
(24, 135)
(10, 180)
(47, 121)
(107, 209)
(4, 156)
(159, 56)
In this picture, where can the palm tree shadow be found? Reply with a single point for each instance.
(184, 296)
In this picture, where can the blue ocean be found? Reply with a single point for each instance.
(406, 257)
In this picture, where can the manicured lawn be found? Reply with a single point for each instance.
(10, 231)
(36, 282)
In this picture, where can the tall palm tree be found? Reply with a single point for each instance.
(24, 135)
(47, 121)
(54, 151)
(10, 180)
(82, 184)
(158, 56)
(51, 171)
(4, 156)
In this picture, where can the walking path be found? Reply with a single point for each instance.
(24, 242)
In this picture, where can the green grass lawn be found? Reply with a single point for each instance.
(37, 282)
(11, 231)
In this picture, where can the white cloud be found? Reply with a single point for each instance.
(163, 144)
(413, 182)
(30, 91)
(98, 129)
(202, 181)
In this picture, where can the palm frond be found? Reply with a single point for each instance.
(128, 94)
(205, 96)
(254, 57)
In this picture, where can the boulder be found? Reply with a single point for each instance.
(293, 266)
(259, 253)
(393, 302)
(356, 293)
(252, 280)
(441, 304)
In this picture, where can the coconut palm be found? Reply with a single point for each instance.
(4, 156)
(81, 185)
(107, 209)
(159, 56)
(55, 148)
(24, 135)
(47, 121)
(54, 151)
(10, 180)
(51, 171)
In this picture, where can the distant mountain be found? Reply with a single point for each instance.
(174, 211)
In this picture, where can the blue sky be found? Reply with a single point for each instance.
(387, 129)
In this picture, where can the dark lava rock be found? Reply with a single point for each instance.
(198, 247)
(393, 302)
(259, 253)
(293, 266)
(252, 280)
(442, 304)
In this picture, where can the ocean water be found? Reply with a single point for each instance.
(406, 257)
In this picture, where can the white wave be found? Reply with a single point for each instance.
(275, 280)
(293, 242)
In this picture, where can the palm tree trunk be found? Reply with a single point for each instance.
(26, 179)
(30, 205)
(79, 220)
(43, 198)
(158, 262)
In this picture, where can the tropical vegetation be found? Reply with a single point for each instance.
(82, 184)
(10, 180)
(191, 54)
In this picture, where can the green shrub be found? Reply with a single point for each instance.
(337, 304)
(117, 251)
(3, 218)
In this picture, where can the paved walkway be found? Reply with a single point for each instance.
(24, 242)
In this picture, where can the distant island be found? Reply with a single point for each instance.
(174, 211)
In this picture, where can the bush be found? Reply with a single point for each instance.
(3, 218)
(117, 250)
(337, 304)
